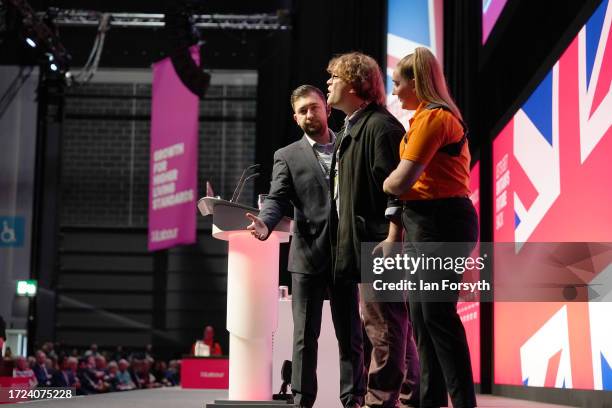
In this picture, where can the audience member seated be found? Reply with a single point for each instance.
(99, 362)
(124, 379)
(207, 345)
(93, 351)
(67, 376)
(22, 369)
(90, 383)
(42, 373)
(92, 374)
(160, 372)
(143, 374)
(52, 364)
(174, 372)
(111, 375)
(135, 372)
(49, 350)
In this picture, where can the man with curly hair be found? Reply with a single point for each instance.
(366, 152)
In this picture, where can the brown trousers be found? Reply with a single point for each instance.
(393, 374)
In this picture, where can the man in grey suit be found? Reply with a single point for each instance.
(301, 179)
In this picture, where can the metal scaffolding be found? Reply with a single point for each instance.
(85, 18)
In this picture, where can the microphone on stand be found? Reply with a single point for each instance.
(242, 180)
(243, 183)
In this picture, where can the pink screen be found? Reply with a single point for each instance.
(552, 166)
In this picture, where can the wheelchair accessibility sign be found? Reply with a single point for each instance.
(11, 231)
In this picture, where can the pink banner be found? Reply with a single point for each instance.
(173, 164)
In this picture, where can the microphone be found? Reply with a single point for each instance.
(242, 181)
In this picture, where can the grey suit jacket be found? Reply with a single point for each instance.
(298, 181)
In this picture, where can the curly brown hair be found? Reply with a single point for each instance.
(362, 72)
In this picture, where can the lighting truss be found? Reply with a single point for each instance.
(84, 18)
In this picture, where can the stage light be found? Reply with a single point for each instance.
(53, 67)
(31, 42)
(182, 34)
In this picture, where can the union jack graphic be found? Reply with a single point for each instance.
(552, 167)
(417, 23)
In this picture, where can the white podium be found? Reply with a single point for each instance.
(252, 300)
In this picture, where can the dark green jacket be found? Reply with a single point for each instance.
(367, 155)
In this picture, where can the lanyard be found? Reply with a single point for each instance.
(326, 169)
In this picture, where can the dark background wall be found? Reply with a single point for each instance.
(109, 289)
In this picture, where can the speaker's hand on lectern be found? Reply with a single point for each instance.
(258, 228)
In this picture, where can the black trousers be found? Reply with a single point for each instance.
(308, 294)
(441, 342)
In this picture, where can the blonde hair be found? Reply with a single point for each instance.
(430, 84)
(362, 73)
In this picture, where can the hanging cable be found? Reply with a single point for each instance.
(93, 61)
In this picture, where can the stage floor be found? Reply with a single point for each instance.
(175, 397)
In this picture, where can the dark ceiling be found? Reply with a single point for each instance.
(143, 6)
(139, 47)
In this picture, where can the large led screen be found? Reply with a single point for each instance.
(552, 165)
(411, 24)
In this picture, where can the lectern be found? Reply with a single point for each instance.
(252, 301)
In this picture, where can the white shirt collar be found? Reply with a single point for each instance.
(349, 121)
(332, 139)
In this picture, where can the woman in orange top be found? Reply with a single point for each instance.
(432, 179)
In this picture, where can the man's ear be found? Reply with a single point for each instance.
(295, 118)
(328, 108)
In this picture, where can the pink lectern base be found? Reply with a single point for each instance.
(252, 301)
(252, 314)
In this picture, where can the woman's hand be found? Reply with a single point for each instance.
(386, 248)
(390, 245)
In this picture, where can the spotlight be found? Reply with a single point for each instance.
(68, 78)
(53, 67)
(31, 42)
